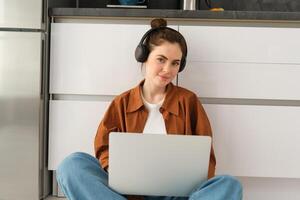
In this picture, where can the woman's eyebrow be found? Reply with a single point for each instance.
(166, 57)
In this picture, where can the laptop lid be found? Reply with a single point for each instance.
(157, 165)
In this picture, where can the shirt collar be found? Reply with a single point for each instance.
(170, 103)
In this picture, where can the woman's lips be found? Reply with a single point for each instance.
(165, 78)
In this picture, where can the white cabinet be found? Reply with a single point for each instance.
(242, 62)
(96, 59)
(72, 128)
(223, 62)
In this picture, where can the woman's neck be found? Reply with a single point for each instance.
(153, 94)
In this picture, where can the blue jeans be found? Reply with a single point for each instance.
(81, 177)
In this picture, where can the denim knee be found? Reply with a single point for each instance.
(219, 187)
(231, 181)
(71, 165)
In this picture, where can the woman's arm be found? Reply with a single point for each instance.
(201, 126)
(109, 123)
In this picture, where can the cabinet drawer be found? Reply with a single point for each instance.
(94, 58)
(242, 80)
(72, 127)
(257, 141)
(242, 44)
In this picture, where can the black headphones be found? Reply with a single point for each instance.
(142, 51)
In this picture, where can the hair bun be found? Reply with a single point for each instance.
(158, 22)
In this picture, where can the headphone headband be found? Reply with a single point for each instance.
(142, 51)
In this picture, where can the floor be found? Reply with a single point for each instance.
(55, 198)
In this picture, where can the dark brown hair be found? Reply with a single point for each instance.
(159, 36)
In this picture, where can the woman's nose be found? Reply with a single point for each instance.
(167, 67)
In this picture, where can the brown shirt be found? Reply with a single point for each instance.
(182, 112)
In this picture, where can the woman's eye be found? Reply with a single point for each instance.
(176, 64)
(161, 60)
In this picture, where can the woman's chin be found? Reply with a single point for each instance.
(163, 82)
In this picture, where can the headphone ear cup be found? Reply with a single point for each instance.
(182, 64)
(141, 53)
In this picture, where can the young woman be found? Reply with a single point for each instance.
(154, 106)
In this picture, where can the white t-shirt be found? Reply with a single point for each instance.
(155, 123)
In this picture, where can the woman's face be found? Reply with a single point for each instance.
(163, 64)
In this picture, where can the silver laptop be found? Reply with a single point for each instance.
(157, 164)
